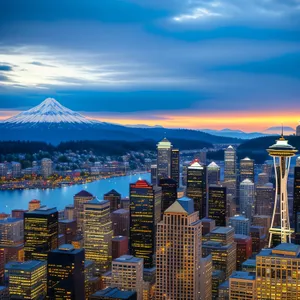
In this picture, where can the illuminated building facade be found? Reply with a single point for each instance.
(262, 179)
(68, 229)
(145, 213)
(168, 192)
(114, 198)
(217, 204)
(127, 274)
(246, 169)
(11, 231)
(47, 167)
(281, 153)
(197, 187)
(34, 204)
(247, 198)
(178, 255)
(79, 200)
(114, 293)
(175, 165)
(277, 273)
(230, 171)
(265, 196)
(240, 224)
(40, 233)
(242, 286)
(98, 234)
(221, 246)
(164, 158)
(296, 203)
(69, 212)
(213, 174)
(65, 279)
(243, 249)
(26, 280)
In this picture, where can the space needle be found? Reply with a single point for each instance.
(281, 153)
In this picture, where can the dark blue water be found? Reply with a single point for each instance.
(18, 199)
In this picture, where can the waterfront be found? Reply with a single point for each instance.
(60, 197)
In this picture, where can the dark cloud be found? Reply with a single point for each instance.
(37, 63)
(4, 78)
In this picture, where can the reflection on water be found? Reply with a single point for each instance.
(18, 199)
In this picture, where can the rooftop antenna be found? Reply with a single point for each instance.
(282, 137)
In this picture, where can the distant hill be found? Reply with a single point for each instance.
(234, 133)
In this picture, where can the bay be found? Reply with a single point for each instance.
(60, 197)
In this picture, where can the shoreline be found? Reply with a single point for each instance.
(43, 185)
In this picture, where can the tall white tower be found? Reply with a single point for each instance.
(281, 153)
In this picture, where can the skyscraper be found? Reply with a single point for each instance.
(243, 249)
(65, 279)
(213, 174)
(47, 167)
(127, 274)
(145, 213)
(178, 252)
(262, 179)
(265, 196)
(168, 192)
(247, 198)
(298, 130)
(114, 293)
(34, 204)
(277, 273)
(97, 229)
(175, 163)
(11, 231)
(79, 200)
(40, 233)
(242, 285)
(217, 204)
(246, 169)
(230, 172)
(281, 153)
(154, 175)
(120, 222)
(240, 224)
(114, 198)
(196, 187)
(26, 280)
(296, 203)
(164, 154)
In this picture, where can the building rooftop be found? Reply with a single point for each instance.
(128, 258)
(241, 237)
(242, 275)
(213, 165)
(97, 201)
(114, 293)
(29, 265)
(247, 181)
(113, 192)
(44, 210)
(224, 285)
(282, 250)
(3, 288)
(249, 263)
(196, 165)
(10, 220)
(121, 211)
(84, 193)
(222, 230)
(34, 201)
(119, 238)
(67, 249)
(239, 218)
(66, 221)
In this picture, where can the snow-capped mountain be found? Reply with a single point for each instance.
(49, 111)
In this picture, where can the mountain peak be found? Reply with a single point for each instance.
(49, 111)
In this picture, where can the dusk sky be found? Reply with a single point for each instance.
(177, 63)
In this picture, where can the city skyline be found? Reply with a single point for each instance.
(197, 64)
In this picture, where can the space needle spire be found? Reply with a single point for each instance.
(281, 153)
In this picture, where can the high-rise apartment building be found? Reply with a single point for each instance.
(26, 280)
(197, 187)
(34, 204)
(65, 279)
(40, 233)
(296, 203)
(145, 213)
(243, 249)
(221, 246)
(247, 198)
(16, 169)
(114, 198)
(242, 286)
(47, 167)
(277, 273)
(11, 231)
(164, 158)
(120, 222)
(213, 174)
(79, 200)
(175, 166)
(217, 204)
(127, 274)
(246, 169)
(97, 229)
(230, 171)
(240, 224)
(265, 195)
(168, 192)
(178, 255)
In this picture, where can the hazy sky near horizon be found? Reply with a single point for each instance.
(177, 63)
